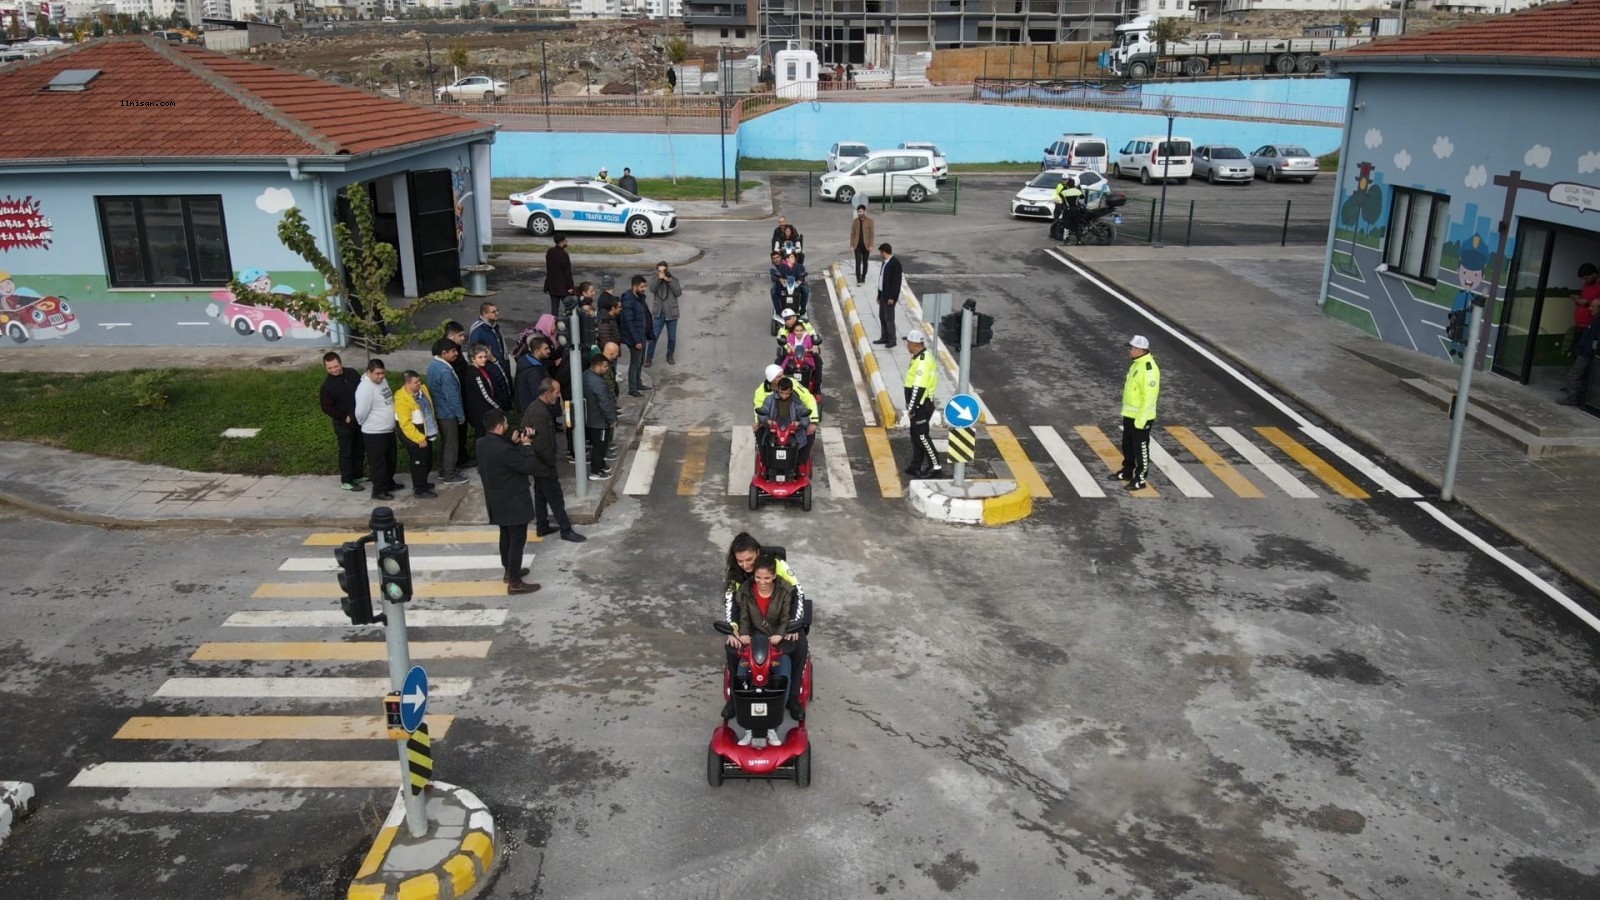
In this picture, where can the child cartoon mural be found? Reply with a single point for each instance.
(247, 319)
(458, 187)
(27, 315)
(1469, 271)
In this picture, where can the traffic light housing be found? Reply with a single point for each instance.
(394, 573)
(357, 600)
(982, 327)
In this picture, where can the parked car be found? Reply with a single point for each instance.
(941, 168)
(26, 315)
(389, 20)
(884, 173)
(1275, 161)
(581, 204)
(1217, 163)
(845, 154)
(478, 88)
(1076, 150)
(1037, 199)
(1152, 157)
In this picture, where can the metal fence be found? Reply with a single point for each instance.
(1216, 222)
(645, 112)
(1121, 96)
(940, 201)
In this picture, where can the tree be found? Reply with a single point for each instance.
(677, 51)
(458, 56)
(1350, 24)
(1167, 31)
(370, 263)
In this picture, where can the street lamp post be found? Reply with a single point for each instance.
(1166, 166)
(722, 122)
(544, 85)
(432, 90)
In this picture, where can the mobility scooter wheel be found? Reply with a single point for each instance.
(805, 498)
(755, 497)
(714, 768)
(802, 769)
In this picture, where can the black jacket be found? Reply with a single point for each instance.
(505, 469)
(542, 419)
(558, 272)
(339, 397)
(479, 394)
(891, 280)
(529, 373)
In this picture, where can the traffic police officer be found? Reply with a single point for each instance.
(1068, 197)
(922, 378)
(1139, 392)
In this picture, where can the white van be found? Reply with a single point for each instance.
(845, 154)
(1152, 157)
(884, 173)
(1077, 150)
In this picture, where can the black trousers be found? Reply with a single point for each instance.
(1135, 450)
(548, 502)
(380, 459)
(596, 437)
(421, 456)
(555, 304)
(352, 451)
(513, 540)
(923, 453)
(886, 321)
(861, 262)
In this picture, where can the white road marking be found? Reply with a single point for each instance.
(868, 415)
(110, 325)
(1494, 553)
(840, 483)
(1348, 290)
(220, 775)
(1367, 467)
(642, 471)
(741, 460)
(332, 618)
(1265, 464)
(1175, 472)
(310, 688)
(1069, 464)
(418, 563)
(197, 323)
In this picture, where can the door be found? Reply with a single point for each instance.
(433, 230)
(1523, 305)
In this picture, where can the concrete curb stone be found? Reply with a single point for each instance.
(16, 802)
(988, 502)
(453, 862)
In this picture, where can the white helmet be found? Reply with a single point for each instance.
(774, 371)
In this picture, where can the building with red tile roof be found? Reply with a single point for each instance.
(134, 168)
(1469, 173)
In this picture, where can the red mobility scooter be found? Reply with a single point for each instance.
(758, 693)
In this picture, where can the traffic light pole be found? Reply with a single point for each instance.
(964, 376)
(388, 531)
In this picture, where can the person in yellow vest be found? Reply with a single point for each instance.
(1139, 393)
(419, 431)
(769, 383)
(922, 379)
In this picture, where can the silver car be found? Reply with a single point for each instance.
(1217, 163)
(1284, 161)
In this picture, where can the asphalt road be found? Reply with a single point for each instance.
(1170, 696)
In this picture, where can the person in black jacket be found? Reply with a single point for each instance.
(539, 420)
(505, 462)
(888, 294)
(557, 273)
(531, 371)
(339, 404)
(636, 329)
(483, 391)
(457, 332)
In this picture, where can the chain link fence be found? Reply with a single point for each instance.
(1240, 220)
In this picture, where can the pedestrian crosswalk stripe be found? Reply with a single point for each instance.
(1264, 464)
(1077, 473)
(252, 775)
(642, 471)
(334, 651)
(883, 463)
(836, 463)
(333, 618)
(1022, 471)
(308, 688)
(1360, 463)
(741, 461)
(423, 590)
(1110, 455)
(1312, 463)
(465, 536)
(418, 563)
(694, 461)
(1186, 484)
(267, 728)
(1225, 472)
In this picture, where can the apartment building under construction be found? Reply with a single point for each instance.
(870, 32)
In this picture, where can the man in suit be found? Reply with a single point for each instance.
(505, 462)
(888, 294)
(557, 273)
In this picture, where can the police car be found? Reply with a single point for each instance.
(1037, 200)
(582, 204)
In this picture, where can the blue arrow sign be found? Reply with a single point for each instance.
(962, 411)
(413, 698)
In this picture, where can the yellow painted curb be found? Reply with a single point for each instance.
(367, 892)
(468, 865)
(380, 849)
(421, 887)
(463, 874)
(479, 845)
(1009, 507)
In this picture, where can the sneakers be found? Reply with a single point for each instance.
(635, 393)
(457, 478)
(672, 360)
(1137, 485)
(611, 455)
(426, 495)
(774, 739)
(747, 738)
(383, 495)
(1121, 476)
(600, 475)
(349, 486)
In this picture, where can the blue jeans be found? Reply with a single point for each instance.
(670, 326)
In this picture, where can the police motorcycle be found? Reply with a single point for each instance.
(759, 693)
(1091, 226)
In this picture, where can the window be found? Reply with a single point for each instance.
(739, 33)
(598, 196)
(724, 32)
(1416, 222)
(164, 241)
(565, 195)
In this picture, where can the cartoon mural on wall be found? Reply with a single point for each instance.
(1469, 274)
(458, 187)
(23, 225)
(247, 319)
(26, 315)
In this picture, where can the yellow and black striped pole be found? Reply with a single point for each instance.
(963, 444)
(419, 758)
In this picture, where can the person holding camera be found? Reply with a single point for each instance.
(505, 463)
(665, 291)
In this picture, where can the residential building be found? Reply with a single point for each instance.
(1470, 170)
(594, 9)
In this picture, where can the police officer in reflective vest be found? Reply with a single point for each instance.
(922, 378)
(1069, 201)
(1138, 412)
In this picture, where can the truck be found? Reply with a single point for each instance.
(1135, 56)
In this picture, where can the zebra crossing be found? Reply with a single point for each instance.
(193, 741)
(1195, 462)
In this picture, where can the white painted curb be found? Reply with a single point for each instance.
(16, 801)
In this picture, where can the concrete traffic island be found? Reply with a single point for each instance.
(990, 501)
(16, 802)
(452, 861)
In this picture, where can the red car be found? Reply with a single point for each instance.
(25, 315)
(247, 320)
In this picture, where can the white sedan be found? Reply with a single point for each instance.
(1037, 199)
(477, 88)
(579, 204)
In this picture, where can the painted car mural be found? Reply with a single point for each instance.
(247, 319)
(26, 316)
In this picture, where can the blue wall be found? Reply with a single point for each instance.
(544, 154)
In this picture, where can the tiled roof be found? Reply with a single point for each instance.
(1556, 30)
(211, 104)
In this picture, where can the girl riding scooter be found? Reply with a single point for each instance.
(741, 565)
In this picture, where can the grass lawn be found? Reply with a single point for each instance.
(95, 414)
(653, 188)
(759, 164)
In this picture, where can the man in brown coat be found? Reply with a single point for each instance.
(862, 237)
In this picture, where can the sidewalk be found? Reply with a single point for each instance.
(1258, 306)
